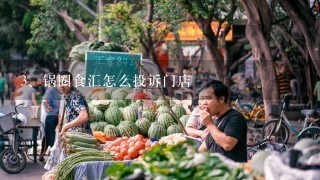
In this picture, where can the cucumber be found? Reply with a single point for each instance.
(77, 138)
(86, 145)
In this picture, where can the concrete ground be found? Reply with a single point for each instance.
(33, 171)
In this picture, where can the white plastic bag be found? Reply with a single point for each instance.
(55, 154)
(43, 120)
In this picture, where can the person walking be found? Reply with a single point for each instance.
(3, 88)
(29, 93)
(316, 92)
(51, 103)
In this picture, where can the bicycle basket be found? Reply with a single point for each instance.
(6, 123)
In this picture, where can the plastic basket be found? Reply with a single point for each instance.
(6, 123)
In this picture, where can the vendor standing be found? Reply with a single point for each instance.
(228, 134)
(76, 110)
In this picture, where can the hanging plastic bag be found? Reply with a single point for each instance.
(43, 120)
(54, 155)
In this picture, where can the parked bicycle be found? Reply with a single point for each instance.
(12, 159)
(255, 117)
(279, 128)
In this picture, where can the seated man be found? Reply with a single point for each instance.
(228, 133)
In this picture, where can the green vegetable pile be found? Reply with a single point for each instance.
(78, 52)
(64, 170)
(176, 162)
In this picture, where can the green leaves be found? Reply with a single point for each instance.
(178, 162)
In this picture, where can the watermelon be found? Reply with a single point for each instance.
(148, 115)
(160, 102)
(104, 95)
(157, 131)
(102, 125)
(143, 125)
(102, 105)
(173, 129)
(128, 128)
(95, 126)
(120, 94)
(98, 115)
(165, 119)
(117, 103)
(163, 109)
(111, 130)
(179, 110)
(184, 119)
(130, 113)
(113, 115)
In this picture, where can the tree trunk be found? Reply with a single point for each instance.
(257, 32)
(308, 25)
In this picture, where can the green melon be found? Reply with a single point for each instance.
(184, 119)
(163, 109)
(104, 95)
(98, 115)
(119, 94)
(130, 113)
(179, 110)
(102, 105)
(102, 125)
(95, 126)
(148, 115)
(113, 115)
(128, 128)
(143, 124)
(117, 103)
(165, 119)
(157, 131)
(173, 129)
(111, 130)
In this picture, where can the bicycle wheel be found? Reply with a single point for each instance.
(310, 132)
(11, 162)
(281, 133)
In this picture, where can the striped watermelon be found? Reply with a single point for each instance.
(98, 115)
(130, 113)
(117, 103)
(104, 95)
(184, 119)
(113, 115)
(148, 115)
(95, 126)
(143, 124)
(157, 131)
(173, 129)
(128, 128)
(163, 109)
(111, 130)
(102, 105)
(179, 110)
(102, 125)
(165, 119)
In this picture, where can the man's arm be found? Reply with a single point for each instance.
(81, 119)
(226, 142)
(203, 147)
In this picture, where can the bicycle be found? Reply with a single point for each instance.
(12, 159)
(255, 117)
(279, 128)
